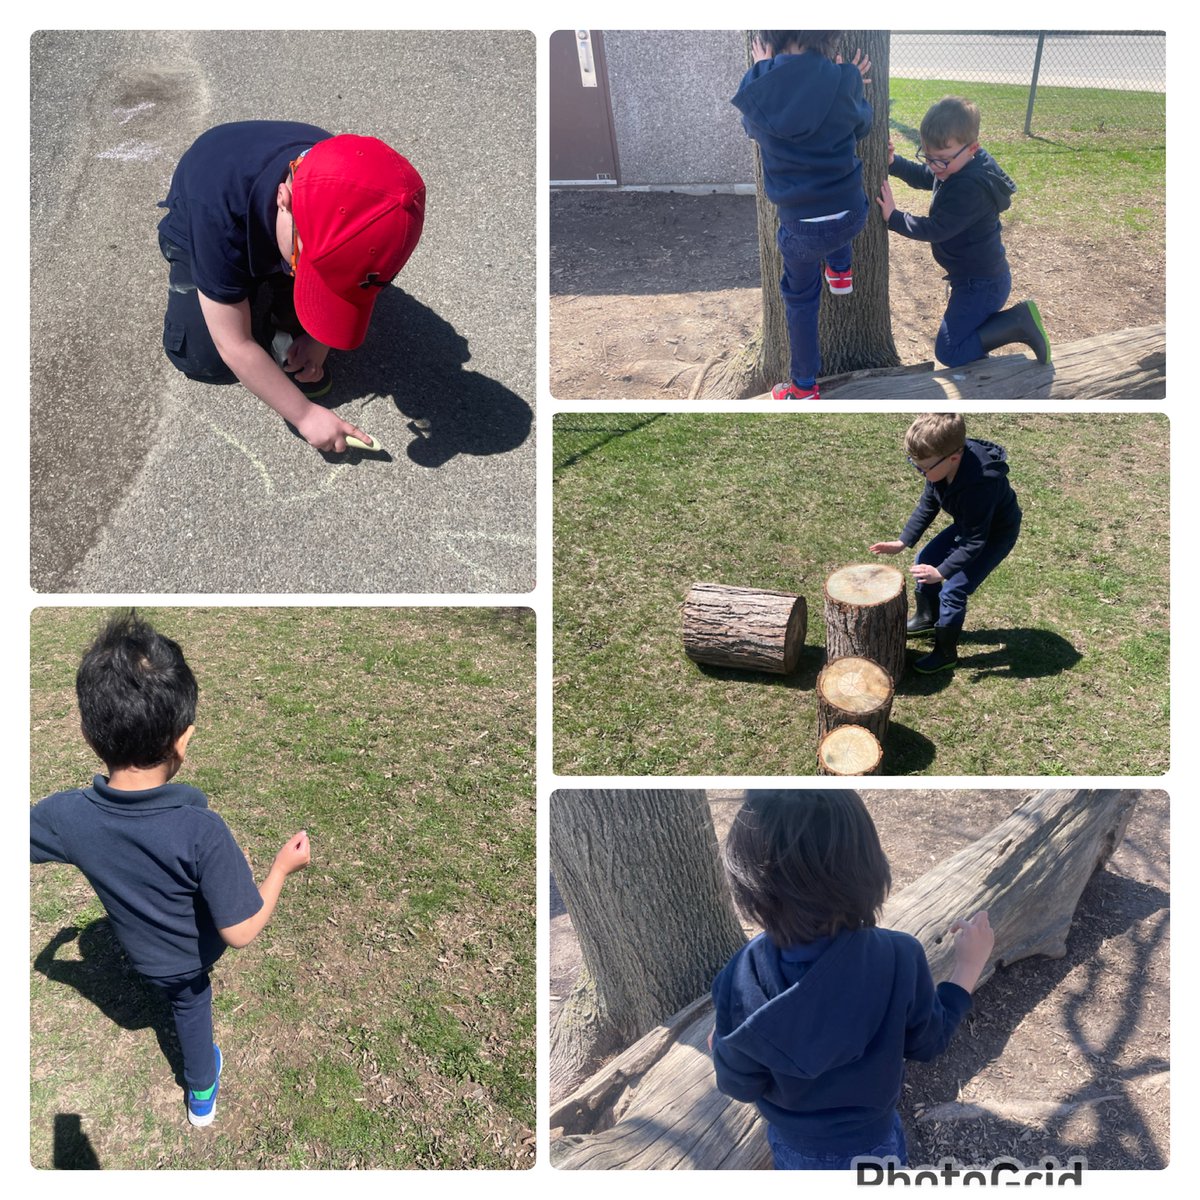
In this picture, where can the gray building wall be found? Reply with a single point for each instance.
(672, 118)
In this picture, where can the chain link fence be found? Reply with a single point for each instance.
(1067, 84)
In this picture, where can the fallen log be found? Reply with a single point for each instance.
(866, 611)
(656, 1106)
(749, 628)
(1128, 365)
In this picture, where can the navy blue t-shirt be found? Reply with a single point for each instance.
(165, 866)
(223, 203)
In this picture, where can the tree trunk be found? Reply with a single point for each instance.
(748, 628)
(866, 614)
(849, 750)
(609, 850)
(854, 691)
(656, 1105)
(855, 330)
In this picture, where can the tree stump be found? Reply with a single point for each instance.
(854, 691)
(656, 1104)
(866, 614)
(749, 628)
(849, 750)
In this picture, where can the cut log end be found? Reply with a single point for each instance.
(855, 686)
(849, 750)
(864, 584)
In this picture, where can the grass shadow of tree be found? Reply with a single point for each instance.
(73, 1150)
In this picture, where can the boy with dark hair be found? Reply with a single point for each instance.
(322, 222)
(963, 229)
(968, 478)
(175, 884)
(805, 109)
(816, 1016)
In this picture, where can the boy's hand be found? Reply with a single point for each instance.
(924, 573)
(891, 152)
(861, 61)
(888, 547)
(885, 199)
(323, 430)
(306, 358)
(758, 51)
(294, 856)
(973, 945)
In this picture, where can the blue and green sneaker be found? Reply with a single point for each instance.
(202, 1106)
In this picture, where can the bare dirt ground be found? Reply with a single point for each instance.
(645, 287)
(1062, 1057)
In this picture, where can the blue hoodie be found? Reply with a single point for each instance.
(816, 1035)
(979, 498)
(963, 226)
(807, 113)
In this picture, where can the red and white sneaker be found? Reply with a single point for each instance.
(791, 391)
(841, 283)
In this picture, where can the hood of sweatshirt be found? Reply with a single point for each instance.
(793, 95)
(985, 172)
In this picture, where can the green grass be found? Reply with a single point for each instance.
(385, 1018)
(1094, 165)
(1065, 651)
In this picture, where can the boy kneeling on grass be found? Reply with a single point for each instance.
(967, 477)
(176, 886)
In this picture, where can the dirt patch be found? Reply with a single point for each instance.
(645, 287)
(1059, 1057)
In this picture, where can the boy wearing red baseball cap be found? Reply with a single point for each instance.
(322, 222)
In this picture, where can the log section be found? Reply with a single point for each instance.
(853, 691)
(849, 750)
(866, 612)
(749, 628)
(655, 1105)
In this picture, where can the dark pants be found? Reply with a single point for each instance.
(789, 1159)
(951, 595)
(972, 301)
(186, 339)
(190, 998)
(804, 246)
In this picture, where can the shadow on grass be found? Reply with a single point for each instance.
(103, 975)
(1014, 653)
(906, 751)
(804, 677)
(72, 1147)
(601, 435)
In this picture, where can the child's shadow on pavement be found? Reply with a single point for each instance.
(417, 357)
(103, 975)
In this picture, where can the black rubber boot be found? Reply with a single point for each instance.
(1021, 323)
(925, 612)
(945, 650)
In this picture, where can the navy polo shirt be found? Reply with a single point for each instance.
(165, 866)
(223, 203)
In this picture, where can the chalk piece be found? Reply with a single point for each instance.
(359, 444)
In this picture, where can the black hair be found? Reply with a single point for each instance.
(806, 864)
(136, 693)
(820, 40)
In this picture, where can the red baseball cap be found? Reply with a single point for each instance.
(359, 208)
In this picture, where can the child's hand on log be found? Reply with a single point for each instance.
(886, 200)
(712, 1034)
(924, 573)
(888, 547)
(862, 62)
(891, 152)
(758, 51)
(973, 944)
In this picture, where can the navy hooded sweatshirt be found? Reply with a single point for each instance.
(223, 203)
(807, 113)
(816, 1035)
(979, 498)
(165, 866)
(963, 226)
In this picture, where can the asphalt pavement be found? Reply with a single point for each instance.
(145, 481)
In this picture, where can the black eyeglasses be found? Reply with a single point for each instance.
(938, 162)
(926, 470)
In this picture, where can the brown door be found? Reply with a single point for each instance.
(583, 149)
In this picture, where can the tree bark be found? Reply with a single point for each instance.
(609, 850)
(856, 330)
(866, 614)
(854, 691)
(849, 750)
(749, 628)
(656, 1105)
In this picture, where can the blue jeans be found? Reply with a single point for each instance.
(789, 1159)
(951, 595)
(972, 301)
(804, 246)
(190, 998)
